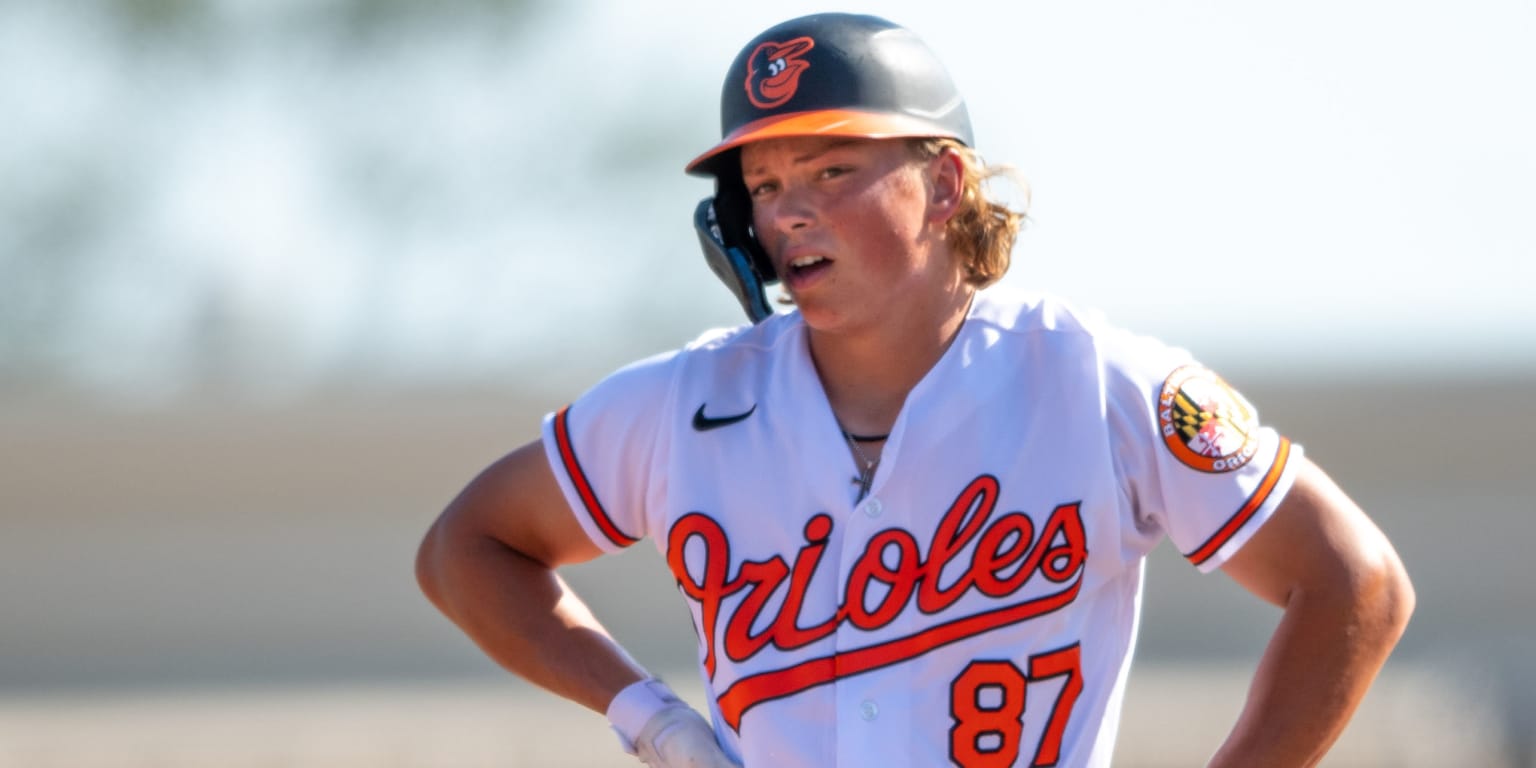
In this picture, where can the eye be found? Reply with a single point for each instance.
(756, 191)
(834, 171)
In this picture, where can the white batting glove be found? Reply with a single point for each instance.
(662, 730)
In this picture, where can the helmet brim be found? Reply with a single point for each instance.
(821, 122)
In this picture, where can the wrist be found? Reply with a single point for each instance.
(635, 705)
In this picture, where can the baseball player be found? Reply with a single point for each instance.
(908, 517)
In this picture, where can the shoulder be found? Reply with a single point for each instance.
(1021, 313)
(715, 352)
(1056, 338)
(1026, 312)
(740, 351)
(745, 339)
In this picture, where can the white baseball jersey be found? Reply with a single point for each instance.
(979, 606)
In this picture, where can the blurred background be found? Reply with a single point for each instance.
(277, 278)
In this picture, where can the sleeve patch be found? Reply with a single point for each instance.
(1205, 423)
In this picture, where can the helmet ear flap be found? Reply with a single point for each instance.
(730, 263)
(733, 207)
(724, 227)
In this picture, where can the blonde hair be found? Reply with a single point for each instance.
(983, 231)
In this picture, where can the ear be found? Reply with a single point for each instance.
(946, 185)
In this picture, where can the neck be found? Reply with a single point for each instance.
(867, 374)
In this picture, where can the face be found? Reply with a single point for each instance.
(854, 227)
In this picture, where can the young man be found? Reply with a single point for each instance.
(909, 518)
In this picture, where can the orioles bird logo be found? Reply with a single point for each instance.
(773, 71)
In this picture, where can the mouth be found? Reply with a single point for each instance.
(807, 262)
(802, 268)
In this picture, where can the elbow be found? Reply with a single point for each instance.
(429, 566)
(1403, 598)
(1391, 600)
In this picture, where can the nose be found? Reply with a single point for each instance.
(790, 210)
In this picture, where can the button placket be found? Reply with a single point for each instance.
(872, 507)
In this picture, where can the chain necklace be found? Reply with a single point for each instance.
(866, 474)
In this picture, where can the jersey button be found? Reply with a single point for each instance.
(868, 710)
(873, 507)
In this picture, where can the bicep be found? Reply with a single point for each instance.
(1317, 539)
(517, 502)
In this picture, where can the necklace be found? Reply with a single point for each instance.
(867, 472)
(865, 438)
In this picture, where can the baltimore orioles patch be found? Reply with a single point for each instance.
(1205, 423)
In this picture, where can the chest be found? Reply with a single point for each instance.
(979, 511)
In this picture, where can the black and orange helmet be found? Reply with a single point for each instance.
(835, 74)
(830, 74)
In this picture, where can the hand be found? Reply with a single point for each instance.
(662, 730)
(678, 737)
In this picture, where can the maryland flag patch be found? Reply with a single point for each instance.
(1206, 424)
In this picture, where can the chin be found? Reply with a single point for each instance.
(820, 317)
(826, 319)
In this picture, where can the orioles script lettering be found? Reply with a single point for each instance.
(1008, 553)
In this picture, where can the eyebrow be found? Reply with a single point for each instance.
(809, 156)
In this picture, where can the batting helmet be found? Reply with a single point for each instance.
(830, 74)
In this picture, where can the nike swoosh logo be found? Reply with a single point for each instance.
(704, 423)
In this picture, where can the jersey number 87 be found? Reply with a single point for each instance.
(987, 734)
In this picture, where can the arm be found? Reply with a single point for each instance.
(1346, 600)
(488, 565)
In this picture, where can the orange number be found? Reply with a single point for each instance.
(987, 703)
(986, 736)
(1066, 661)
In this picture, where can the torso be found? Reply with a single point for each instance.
(977, 608)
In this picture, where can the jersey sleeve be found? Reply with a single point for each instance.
(1193, 457)
(604, 450)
